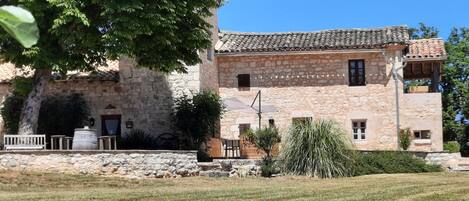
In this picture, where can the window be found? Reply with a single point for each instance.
(356, 72)
(296, 120)
(271, 123)
(209, 54)
(244, 81)
(359, 129)
(422, 134)
(244, 128)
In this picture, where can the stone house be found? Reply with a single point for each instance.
(343, 74)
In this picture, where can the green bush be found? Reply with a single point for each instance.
(317, 148)
(452, 146)
(11, 111)
(388, 162)
(196, 117)
(404, 139)
(138, 139)
(59, 114)
(268, 167)
(203, 156)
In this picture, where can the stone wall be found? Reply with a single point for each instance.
(313, 85)
(131, 164)
(423, 111)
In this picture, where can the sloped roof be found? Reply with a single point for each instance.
(238, 42)
(426, 49)
(102, 73)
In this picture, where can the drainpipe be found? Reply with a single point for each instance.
(395, 76)
(396, 87)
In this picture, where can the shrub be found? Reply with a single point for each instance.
(268, 167)
(11, 111)
(391, 162)
(317, 148)
(138, 139)
(264, 139)
(451, 146)
(59, 114)
(203, 156)
(197, 117)
(404, 139)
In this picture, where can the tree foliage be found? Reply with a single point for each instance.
(80, 34)
(20, 24)
(423, 31)
(455, 84)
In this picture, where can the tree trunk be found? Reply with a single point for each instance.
(30, 112)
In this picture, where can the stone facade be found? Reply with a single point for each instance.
(315, 85)
(136, 164)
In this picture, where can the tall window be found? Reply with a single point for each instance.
(244, 81)
(359, 129)
(356, 72)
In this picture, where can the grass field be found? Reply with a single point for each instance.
(433, 186)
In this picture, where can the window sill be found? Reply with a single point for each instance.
(422, 141)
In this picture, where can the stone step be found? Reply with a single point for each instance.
(205, 166)
(214, 173)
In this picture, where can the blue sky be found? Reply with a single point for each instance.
(311, 15)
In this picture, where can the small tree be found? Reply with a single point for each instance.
(264, 139)
(196, 117)
(404, 139)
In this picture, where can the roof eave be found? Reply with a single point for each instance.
(260, 53)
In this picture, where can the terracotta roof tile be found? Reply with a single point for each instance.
(433, 48)
(306, 41)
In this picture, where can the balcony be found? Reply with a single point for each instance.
(422, 77)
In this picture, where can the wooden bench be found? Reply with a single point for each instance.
(24, 142)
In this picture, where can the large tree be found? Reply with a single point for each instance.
(455, 86)
(423, 31)
(164, 35)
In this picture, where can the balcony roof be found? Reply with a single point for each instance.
(432, 49)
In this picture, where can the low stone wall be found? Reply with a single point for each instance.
(131, 164)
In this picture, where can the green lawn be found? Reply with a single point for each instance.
(432, 186)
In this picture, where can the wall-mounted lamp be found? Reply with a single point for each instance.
(129, 124)
(91, 121)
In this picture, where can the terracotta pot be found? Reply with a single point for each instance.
(418, 89)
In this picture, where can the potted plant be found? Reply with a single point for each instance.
(418, 86)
